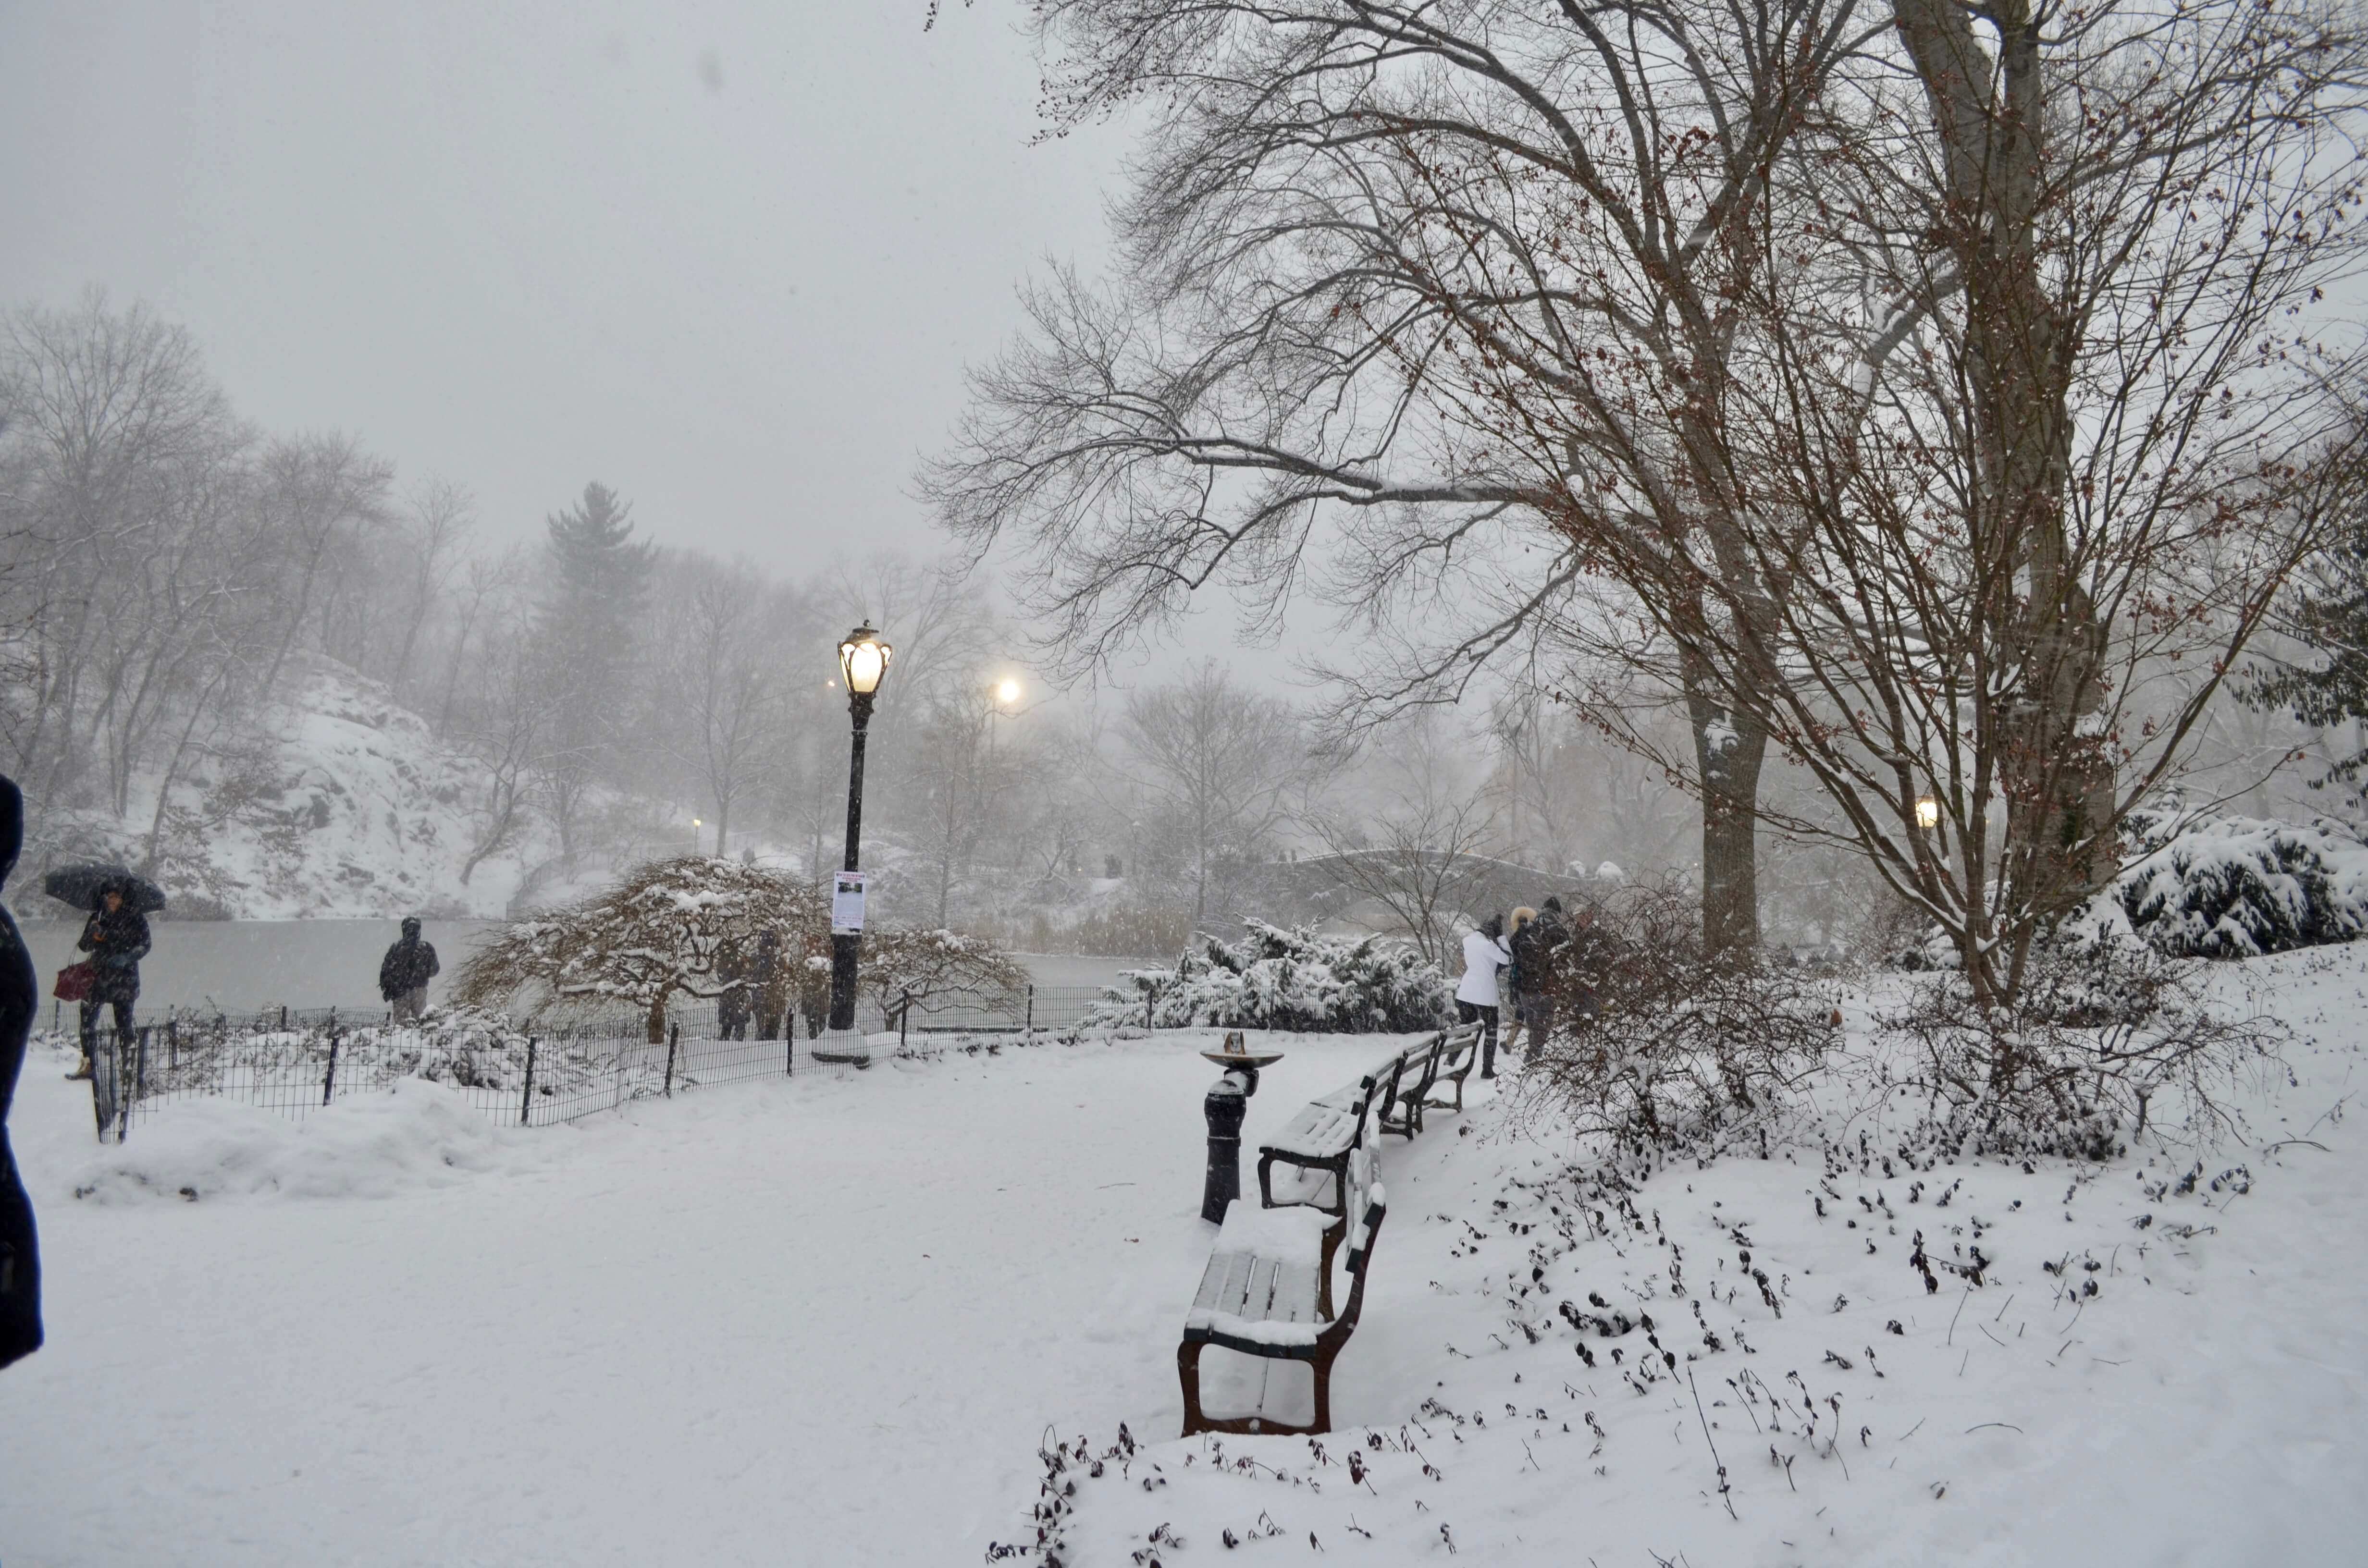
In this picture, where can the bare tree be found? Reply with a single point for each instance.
(1359, 228)
(1416, 841)
(507, 739)
(312, 487)
(1860, 376)
(1227, 767)
(718, 697)
(441, 516)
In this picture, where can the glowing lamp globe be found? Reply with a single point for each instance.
(863, 661)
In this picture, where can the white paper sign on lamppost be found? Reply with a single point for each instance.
(847, 903)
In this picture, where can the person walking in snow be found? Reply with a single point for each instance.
(1476, 994)
(404, 974)
(116, 938)
(1535, 947)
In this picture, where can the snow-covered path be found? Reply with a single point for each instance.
(820, 1321)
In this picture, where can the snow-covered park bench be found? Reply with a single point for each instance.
(1268, 1292)
(1422, 1066)
(1318, 1142)
(1459, 1049)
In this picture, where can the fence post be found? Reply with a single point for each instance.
(674, 1043)
(140, 1071)
(526, 1095)
(1031, 1026)
(788, 1039)
(329, 1078)
(1146, 1009)
(904, 1017)
(173, 1044)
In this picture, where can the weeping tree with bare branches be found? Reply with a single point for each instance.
(1932, 392)
(686, 926)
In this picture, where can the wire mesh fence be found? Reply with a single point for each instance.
(293, 1061)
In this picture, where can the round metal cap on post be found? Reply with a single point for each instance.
(862, 665)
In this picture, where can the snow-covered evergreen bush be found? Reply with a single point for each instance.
(1297, 980)
(2235, 887)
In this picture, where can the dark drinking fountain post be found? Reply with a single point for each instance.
(1226, 1105)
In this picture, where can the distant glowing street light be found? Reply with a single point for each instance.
(862, 665)
(1928, 813)
(1007, 690)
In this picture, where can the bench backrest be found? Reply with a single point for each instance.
(1365, 1200)
(1377, 1091)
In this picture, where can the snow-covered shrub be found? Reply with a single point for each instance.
(1298, 980)
(2235, 887)
(1660, 1041)
(2106, 1037)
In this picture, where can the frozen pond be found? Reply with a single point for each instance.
(241, 964)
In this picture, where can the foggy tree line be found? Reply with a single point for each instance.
(168, 566)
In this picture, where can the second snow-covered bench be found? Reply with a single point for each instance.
(1319, 1139)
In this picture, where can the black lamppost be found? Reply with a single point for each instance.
(862, 662)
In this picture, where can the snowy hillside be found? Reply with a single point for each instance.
(344, 804)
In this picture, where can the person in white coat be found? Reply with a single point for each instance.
(1475, 994)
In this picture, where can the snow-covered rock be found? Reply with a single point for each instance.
(343, 805)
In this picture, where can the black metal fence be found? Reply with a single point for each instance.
(291, 1062)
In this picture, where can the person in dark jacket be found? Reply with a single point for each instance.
(734, 1003)
(404, 974)
(116, 938)
(20, 1003)
(769, 987)
(1537, 955)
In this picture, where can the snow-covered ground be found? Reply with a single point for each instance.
(833, 1320)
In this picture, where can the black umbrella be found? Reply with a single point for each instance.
(82, 886)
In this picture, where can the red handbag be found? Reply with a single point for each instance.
(74, 982)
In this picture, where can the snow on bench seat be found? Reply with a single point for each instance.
(1325, 1127)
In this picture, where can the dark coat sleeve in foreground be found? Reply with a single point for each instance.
(20, 1259)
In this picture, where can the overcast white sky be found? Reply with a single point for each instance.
(728, 257)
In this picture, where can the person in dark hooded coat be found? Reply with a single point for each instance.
(404, 974)
(116, 938)
(771, 991)
(20, 1003)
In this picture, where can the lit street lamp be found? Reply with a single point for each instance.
(862, 662)
(1927, 812)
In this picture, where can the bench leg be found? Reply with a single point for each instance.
(1321, 1365)
(1188, 1373)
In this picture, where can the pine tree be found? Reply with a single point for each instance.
(2332, 617)
(586, 635)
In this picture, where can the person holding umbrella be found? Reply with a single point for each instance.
(116, 938)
